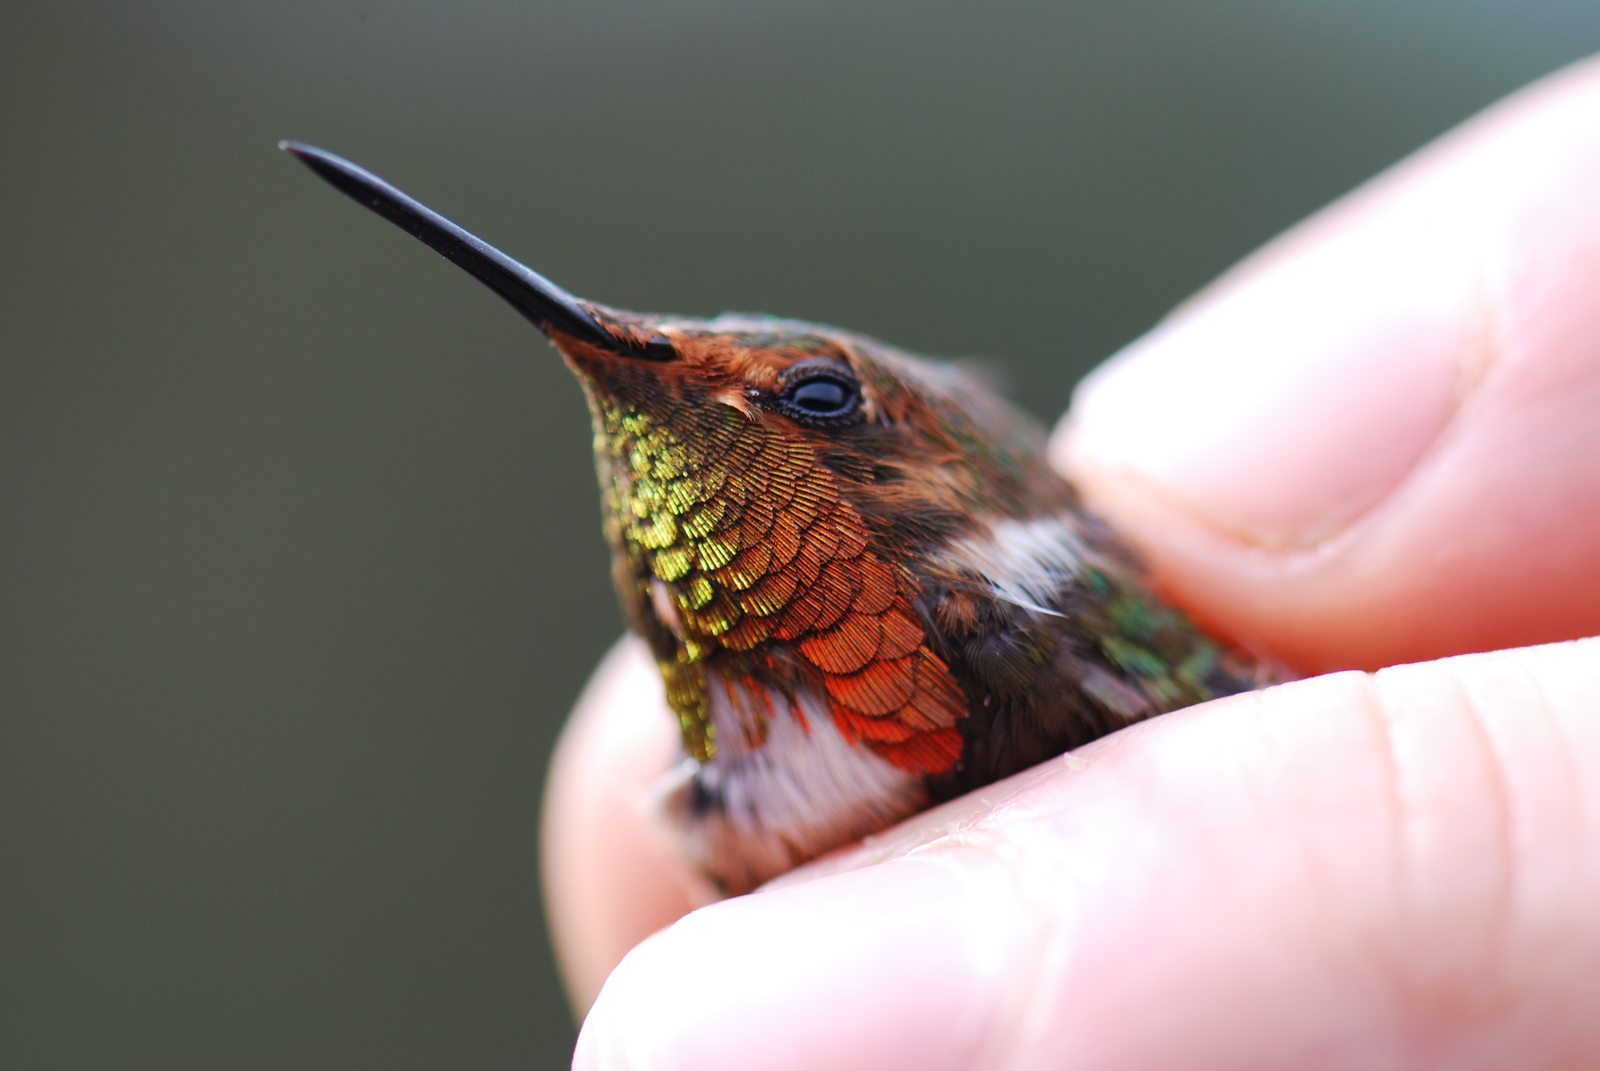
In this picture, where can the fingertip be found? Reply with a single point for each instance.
(611, 875)
(901, 965)
(1363, 445)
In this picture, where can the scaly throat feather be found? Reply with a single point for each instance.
(765, 573)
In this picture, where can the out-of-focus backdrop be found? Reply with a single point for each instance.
(300, 565)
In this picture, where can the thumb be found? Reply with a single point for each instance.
(1376, 440)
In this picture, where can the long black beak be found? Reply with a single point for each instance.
(545, 304)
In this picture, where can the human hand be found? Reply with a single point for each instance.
(1376, 441)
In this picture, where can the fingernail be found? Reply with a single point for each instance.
(1297, 398)
(894, 966)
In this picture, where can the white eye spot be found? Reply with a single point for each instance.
(735, 399)
(667, 610)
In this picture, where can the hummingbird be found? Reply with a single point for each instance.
(866, 590)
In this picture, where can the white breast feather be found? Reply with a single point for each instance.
(804, 791)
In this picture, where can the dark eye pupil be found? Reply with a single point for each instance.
(821, 395)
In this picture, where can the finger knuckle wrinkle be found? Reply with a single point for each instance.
(1453, 802)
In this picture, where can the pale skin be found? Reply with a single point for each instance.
(1375, 442)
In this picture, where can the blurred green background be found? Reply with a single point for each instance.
(300, 565)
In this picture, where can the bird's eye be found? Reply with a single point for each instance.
(823, 395)
(820, 397)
